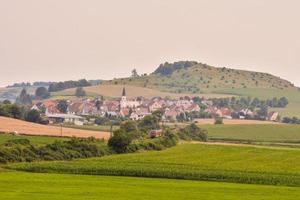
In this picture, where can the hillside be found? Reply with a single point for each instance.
(193, 77)
(8, 125)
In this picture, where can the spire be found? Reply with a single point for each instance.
(124, 92)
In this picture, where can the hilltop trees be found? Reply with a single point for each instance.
(168, 68)
(54, 87)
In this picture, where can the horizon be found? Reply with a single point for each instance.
(107, 39)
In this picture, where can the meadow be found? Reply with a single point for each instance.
(254, 132)
(27, 186)
(189, 161)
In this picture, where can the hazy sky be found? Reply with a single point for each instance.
(55, 40)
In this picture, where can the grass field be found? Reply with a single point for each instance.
(38, 140)
(29, 186)
(190, 161)
(255, 132)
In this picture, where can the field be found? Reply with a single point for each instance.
(28, 186)
(37, 140)
(131, 92)
(104, 128)
(258, 132)
(8, 125)
(233, 121)
(293, 95)
(190, 161)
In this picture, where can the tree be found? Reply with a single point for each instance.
(134, 73)
(218, 120)
(24, 98)
(80, 92)
(33, 116)
(42, 93)
(150, 122)
(98, 104)
(119, 141)
(192, 132)
(15, 111)
(62, 106)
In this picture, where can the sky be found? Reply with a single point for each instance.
(56, 40)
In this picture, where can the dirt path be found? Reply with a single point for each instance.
(8, 125)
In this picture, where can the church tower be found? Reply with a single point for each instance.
(123, 102)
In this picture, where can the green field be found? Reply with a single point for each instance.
(30, 186)
(255, 133)
(190, 161)
(38, 140)
(91, 127)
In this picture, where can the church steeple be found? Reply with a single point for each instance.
(124, 92)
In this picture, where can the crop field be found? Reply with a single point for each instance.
(105, 128)
(8, 125)
(131, 92)
(28, 186)
(38, 140)
(190, 161)
(255, 132)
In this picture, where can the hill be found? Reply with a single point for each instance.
(8, 125)
(193, 77)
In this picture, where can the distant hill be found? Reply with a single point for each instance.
(194, 77)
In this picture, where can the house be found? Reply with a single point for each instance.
(139, 113)
(170, 115)
(155, 105)
(65, 118)
(155, 133)
(273, 116)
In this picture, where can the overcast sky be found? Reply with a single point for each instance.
(56, 40)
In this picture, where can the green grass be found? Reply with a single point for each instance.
(29, 186)
(258, 133)
(38, 140)
(190, 161)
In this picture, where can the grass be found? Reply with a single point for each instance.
(190, 161)
(27, 186)
(258, 132)
(37, 140)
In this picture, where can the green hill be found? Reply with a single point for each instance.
(193, 77)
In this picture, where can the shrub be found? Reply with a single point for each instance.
(218, 120)
(192, 132)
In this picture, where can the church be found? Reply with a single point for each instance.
(124, 103)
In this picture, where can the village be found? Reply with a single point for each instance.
(84, 110)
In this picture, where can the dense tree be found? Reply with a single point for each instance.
(134, 73)
(119, 141)
(192, 132)
(150, 122)
(54, 87)
(62, 106)
(42, 93)
(24, 98)
(33, 116)
(80, 92)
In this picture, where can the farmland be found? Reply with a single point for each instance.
(8, 125)
(190, 161)
(107, 90)
(27, 186)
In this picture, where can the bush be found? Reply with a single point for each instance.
(120, 141)
(192, 132)
(218, 120)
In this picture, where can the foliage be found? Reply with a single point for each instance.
(24, 98)
(62, 106)
(11, 110)
(79, 92)
(120, 141)
(21, 150)
(291, 120)
(192, 132)
(42, 93)
(169, 68)
(218, 120)
(54, 87)
(149, 122)
(33, 116)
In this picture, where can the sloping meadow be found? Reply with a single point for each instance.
(189, 161)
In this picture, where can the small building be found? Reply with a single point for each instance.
(155, 133)
(65, 118)
(273, 116)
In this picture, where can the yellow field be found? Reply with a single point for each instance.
(8, 125)
(131, 91)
